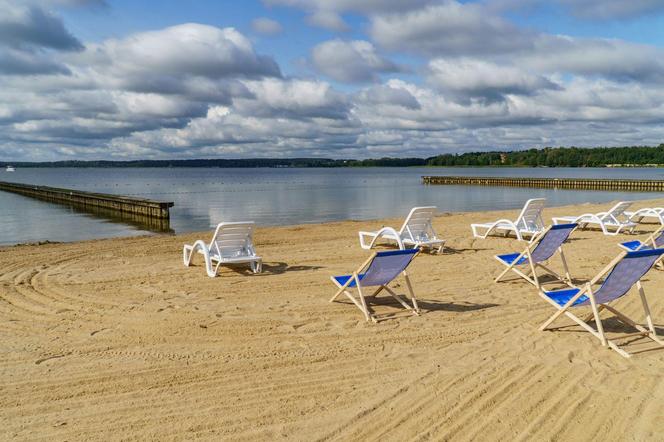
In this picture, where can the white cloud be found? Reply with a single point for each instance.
(451, 28)
(481, 79)
(266, 26)
(29, 24)
(350, 61)
(588, 9)
(467, 79)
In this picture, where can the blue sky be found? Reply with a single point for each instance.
(95, 79)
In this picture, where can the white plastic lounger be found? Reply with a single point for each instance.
(232, 243)
(615, 219)
(415, 232)
(539, 251)
(648, 212)
(625, 271)
(529, 222)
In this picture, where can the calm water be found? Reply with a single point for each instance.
(205, 197)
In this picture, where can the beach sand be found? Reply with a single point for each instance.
(116, 339)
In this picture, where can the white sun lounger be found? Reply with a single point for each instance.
(529, 222)
(415, 232)
(615, 219)
(648, 212)
(232, 243)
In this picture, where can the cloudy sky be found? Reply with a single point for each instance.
(106, 79)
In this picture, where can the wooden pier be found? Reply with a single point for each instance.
(551, 183)
(94, 202)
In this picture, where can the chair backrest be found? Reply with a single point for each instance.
(626, 273)
(232, 240)
(418, 224)
(530, 218)
(617, 211)
(551, 241)
(387, 265)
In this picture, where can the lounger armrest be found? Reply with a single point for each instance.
(387, 232)
(588, 216)
(492, 226)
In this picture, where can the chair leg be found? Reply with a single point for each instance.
(364, 308)
(503, 273)
(598, 320)
(568, 277)
(411, 292)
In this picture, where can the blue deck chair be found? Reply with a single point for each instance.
(379, 270)
(626, 270)
(653, 241)
(540, 250)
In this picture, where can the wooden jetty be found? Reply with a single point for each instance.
(94, 202)
(551, 183)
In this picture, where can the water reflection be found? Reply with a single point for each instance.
(206, 196)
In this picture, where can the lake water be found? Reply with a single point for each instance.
(204, 197)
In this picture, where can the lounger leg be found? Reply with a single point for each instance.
(186, 257)
(362, 239)
(256, 266)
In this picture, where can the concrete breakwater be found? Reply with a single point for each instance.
(552, 183)
(94, 202)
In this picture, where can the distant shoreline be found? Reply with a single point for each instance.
(630, 156)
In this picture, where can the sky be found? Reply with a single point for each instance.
(121, 80)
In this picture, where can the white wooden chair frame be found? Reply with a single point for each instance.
(596, 308)
(531, 215)
(360, 300)
(532, 267)
(405, 236)
(649, 242)
(603, 220)
(234, 235)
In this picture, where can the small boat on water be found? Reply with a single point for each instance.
(10, 169)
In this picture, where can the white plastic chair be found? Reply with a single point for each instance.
(529, 222)
(232, 243)
(615, 218)
(647, 212)
(416, 231)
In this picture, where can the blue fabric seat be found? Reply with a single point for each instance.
(632, 245)
(562, 297)
(342, 279)
(510, 257)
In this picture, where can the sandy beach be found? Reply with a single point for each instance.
(117, 340)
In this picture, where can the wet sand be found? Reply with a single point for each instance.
(117, 340)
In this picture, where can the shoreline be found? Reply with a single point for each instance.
(115, 338)
(649, 202)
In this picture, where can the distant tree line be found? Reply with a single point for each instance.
(557, 157)
(547, 157)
